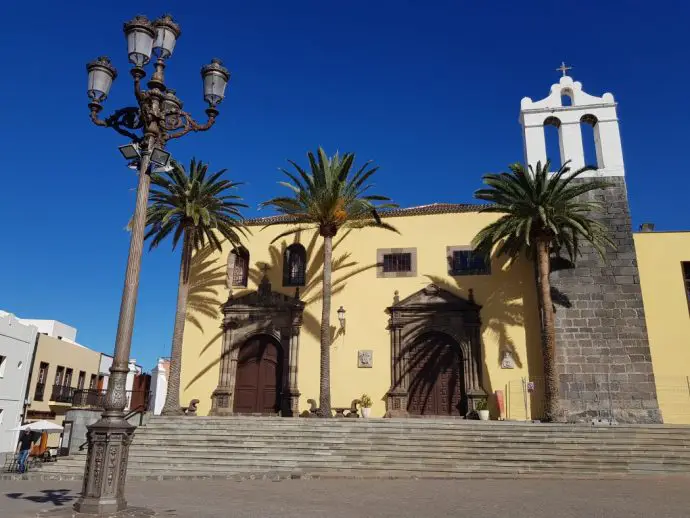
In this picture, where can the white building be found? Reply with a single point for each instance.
(17, 345)
(104, 371)
(159, 385)
(53, 328)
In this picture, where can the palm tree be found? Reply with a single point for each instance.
(198, 209)
(541, 214)
(327, 199)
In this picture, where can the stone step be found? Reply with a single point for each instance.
(137, 462)
(233, 452)
(465, 430)
(259, 446)
(495, 466)
(406, 423)
(376, 439)
(230, 445)
(401, 421)
(351, 424)
(410, 436)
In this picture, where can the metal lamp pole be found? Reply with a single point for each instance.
(157, 118)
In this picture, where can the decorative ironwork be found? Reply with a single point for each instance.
(397, 262)
(62, 394)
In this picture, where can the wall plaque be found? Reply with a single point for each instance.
(365, 359)
(507, 362)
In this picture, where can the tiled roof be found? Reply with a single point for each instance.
(420, 210)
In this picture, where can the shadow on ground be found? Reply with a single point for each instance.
(57, 497)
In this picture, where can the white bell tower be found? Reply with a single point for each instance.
(568, 107)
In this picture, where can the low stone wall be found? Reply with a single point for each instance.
(82, 417)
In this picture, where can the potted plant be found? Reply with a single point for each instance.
(365, 403)
(482, 408)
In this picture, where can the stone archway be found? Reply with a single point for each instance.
(277, 320)
(455, 324)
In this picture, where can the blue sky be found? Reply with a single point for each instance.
(429, 90)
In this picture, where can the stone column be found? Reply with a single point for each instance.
(475, 390)
(396, 400)
(222, 396)
(291, 396)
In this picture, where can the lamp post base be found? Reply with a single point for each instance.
(105, 473)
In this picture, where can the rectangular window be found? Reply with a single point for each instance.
(686, 280)
(41, 381)
(240, 262)
(68, 378)
(3, 363)
(81, 380)
(394, 263)
(92, 382)
(43, 372)
(59, 375)
(467, 262)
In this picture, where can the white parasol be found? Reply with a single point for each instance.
(41, 426)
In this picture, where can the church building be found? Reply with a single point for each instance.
(425, 327)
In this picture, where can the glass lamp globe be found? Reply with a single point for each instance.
(167, 34)
(101, 76)
(140, 35)
(216, 78)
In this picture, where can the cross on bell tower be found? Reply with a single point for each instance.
(564, 69)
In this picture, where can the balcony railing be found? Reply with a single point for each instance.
(62, 394)
(94, 399)
(40, 390)
(88, 398)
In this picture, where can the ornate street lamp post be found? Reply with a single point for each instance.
(157, 118)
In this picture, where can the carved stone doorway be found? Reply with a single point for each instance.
(435, 354)
(259, 377)
(436, 377)
(260, 356)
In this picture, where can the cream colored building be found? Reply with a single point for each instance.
(60, 367)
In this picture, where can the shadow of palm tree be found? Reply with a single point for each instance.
(207, 283)
(57, 497)
(205, 300)
(431, 356)
(507, 302)
(343, 268)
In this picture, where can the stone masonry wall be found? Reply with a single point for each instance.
(603, 356)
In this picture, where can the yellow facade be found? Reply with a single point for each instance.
(50, 404)
(509, 314)
(660, 256)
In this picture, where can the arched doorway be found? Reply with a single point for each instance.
(259, 375)
(437, 378)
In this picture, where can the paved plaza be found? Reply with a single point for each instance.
(666, 497)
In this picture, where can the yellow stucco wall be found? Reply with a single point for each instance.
(509, 316)
(659, 257)
(56, 353)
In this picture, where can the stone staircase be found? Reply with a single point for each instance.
(447, 448)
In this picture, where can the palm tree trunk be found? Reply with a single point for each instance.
(325, 379)
(172, 399)
(548, 333)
